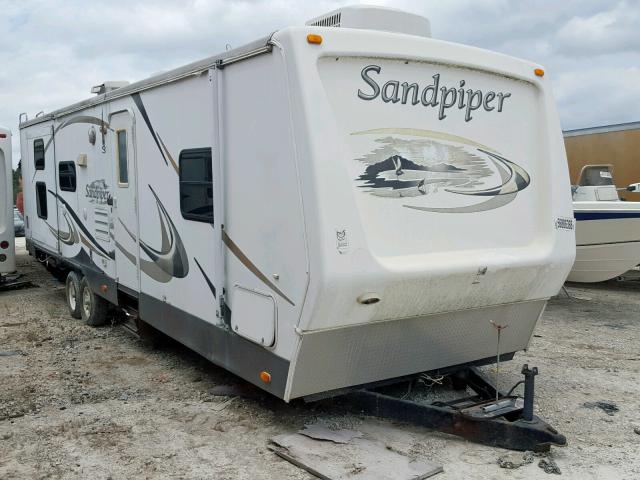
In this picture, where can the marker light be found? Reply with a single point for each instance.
(4, 244)
(265, 377)
(4, 135)
(314, 39)
(539, 72)
(3, 257)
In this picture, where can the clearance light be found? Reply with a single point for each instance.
(539, 72)
(4, 244)
(4, 135)
(314, 39)
(104, 288)
(265, 377)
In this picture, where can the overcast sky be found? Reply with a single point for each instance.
(52, 52)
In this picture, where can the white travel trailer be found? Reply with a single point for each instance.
(323, 208)
(7, 234)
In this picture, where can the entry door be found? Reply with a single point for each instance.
(42, 213)
(125, 201)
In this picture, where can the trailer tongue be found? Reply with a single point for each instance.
(490, 417)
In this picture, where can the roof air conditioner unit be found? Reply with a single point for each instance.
(374, 18)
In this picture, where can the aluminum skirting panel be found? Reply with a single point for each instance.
(217, 344)
(361, 354)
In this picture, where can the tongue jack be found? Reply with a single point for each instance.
(499, 329)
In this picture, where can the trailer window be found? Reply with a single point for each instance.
(67, 176)
(41, 200)
(123, 167)
(196, 185)
(38, 153)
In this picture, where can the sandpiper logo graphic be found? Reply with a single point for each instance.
(435, 95)
(98, 192)
(436, 172)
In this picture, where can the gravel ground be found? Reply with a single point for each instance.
(82, 402)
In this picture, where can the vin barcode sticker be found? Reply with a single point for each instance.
(565, 223)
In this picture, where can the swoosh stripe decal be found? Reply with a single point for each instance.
(166, 151)
(138, 101)
(96, 245)
(211, 285)
(251, 266)
(517, 180)
(494, 202)
(78, 119)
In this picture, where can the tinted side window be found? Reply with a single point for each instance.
(123, 168)
(67, 176)
(596, 176)
(196, 185)
(38, 153)
(41, 200)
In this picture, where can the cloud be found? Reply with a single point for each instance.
(53, 51)
(606, 32)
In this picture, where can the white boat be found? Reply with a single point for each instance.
(607, 229)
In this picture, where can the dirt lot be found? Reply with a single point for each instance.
(79, 402)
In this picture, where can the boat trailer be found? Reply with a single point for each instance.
(490, 417)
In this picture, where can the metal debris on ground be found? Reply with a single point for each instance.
(549, 466)
(609, 408)
(323, 432)
(12, 353)
(366, 457)
(515, 460)
(218, 407)
(237, 390)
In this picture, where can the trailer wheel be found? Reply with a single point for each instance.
(94, 308)
(72, 291)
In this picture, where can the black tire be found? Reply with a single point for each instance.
(72, 294)
(458, 381)
(94, 309)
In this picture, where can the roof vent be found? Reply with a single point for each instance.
(107, 87)
(374, 18)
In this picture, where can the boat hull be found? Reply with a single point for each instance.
(607, 240)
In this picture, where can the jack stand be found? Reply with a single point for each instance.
(529, 377)
(508, 422)
(499, 329)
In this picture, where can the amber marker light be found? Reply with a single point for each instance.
(104, 288)
(314, 39)
(265, 377)
(539, 72)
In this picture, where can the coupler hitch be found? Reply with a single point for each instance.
(489, 417)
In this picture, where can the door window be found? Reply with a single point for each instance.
(67, 176)
(38, 153)
(41, 200)
(123, 166)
